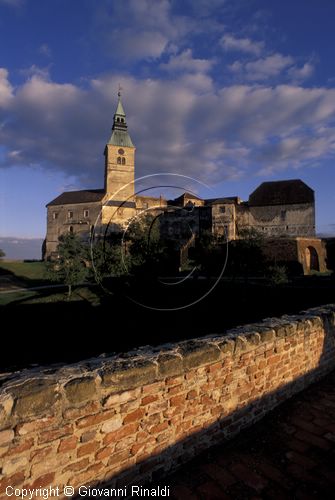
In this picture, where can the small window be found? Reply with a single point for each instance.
(119, 160)
(71, 229)
(70, 214)
(55, 215)
(86, 213)
(223, 210)
(123, 161)
(122, 120)
(118, 120)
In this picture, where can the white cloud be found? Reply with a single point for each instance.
(139, 29)
(184, 62)
(267, 67)
(182, 125)
(6, 89)
(274, 66)
(35, 70)
(231, 43)
(302, 73)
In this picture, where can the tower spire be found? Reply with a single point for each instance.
(120, 135)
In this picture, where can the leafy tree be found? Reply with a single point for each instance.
(144, 247)
(245, 253)
(107, 259)
(70, 267)
(2, 254)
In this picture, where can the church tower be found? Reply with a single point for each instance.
(120, 159)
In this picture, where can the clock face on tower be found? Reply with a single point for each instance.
(121, 151)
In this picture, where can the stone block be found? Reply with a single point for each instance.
(129, 374)
(196, 353)
(81, 389)
(169, 365)
(6, 437)
(35, 397)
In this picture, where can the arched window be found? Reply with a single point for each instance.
(123, 161)
(118, 119)
(122, 120)
(119, 160)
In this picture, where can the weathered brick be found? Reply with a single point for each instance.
(149, 399)
(134, 416)
(174, 380)
(41, 453)
(13, 480)
(6, 437)
(177, 400)
(14, 465)
(35, 425)
(88, 436)
(112, 424)
(47, 436)
(77, 466)
(20, 447)
(124, 431)
(122, 397)
(159, 427)
(75, 413)
(175, 389)
(88, 448)
(91, 420)
(136, 448)
(43, 481)
(117, 458)
(192, 394)
(67, 444)
(104, 453)
(153, 388)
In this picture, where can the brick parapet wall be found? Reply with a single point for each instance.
(133, 416)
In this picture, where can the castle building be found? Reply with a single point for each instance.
(83, 212)
(279, 209)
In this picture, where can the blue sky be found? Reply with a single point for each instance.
(229, 92)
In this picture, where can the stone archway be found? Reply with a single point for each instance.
(312, 259)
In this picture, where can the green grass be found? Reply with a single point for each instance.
(28, 270)
(32, 274)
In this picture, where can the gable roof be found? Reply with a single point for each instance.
(73, 197)
(289, 192)
(233, 200)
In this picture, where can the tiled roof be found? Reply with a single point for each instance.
(281, 193)
(73, 197)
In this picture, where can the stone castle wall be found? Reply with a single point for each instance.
(135, 417)
(277, 220)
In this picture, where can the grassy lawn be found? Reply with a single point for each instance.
(28, 270)
(32, 274)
